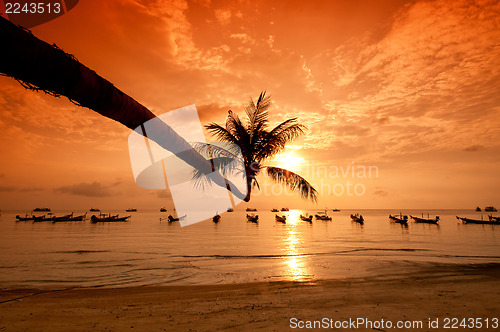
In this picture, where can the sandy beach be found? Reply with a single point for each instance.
(454, 291)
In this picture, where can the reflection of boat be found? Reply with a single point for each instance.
(493, 218)
(131, 210)
(275, 210)
(253, 218)
(216, 218)
(106, 218)
(70, 217)
(476, 221)
(281, 219)
(41, 209)
(285, 209)
(478, 209)
(251, 210)
(230, 210)
(26, 218)
(490, 209)
(94, 210)
(400, 220)
(357, 218)
(424, 220)
(163, 209)
(308, 219)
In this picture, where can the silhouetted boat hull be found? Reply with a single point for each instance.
(308, 219)
(479, 222)
(403, 220)
(357, 218)
(70, 217)
(253, 218)
(281, 219)
(94, 219)
(424, 220)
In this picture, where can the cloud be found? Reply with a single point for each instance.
(93, 189)
(474, 148)
(8, 188)
(223, 16)
(381, 193)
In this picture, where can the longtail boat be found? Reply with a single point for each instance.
(253, 218)
(70, 217)
(400, 220)
(357, 218)
(476, 221)
(104, 218)
(424, 220)
(281, 219)
(304, 218)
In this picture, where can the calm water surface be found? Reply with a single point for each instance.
(146, 251)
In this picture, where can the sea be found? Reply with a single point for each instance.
(150, 251)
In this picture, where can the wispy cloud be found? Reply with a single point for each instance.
(92, 189)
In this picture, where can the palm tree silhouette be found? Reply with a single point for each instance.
(259, 144)
(38, 65)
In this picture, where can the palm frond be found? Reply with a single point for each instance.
(275, 141)
(221, 133)
(257, 113)
(293, 182)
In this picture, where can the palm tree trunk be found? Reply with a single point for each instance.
(41, 66)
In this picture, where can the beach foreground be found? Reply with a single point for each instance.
(446, 291)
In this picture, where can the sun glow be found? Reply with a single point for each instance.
(289, 160)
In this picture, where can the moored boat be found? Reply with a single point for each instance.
(41, 209)
(230, 210)
(493, 218)
(285, 209)
(106, 218)
(478, 209)
(477, 221)
(94, 210)
(400, 220)
(70, 217)
(26, 218)
(131, 210)
(357, 218)
(322, 216)
(275, 210)
(253, 218)
(163, 209)
(425, 220)
(40, 218)
(306, 218)
(251, 210)
(490, 209)
(281, 219)
(216, 218)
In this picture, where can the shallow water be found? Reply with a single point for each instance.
(147, 251)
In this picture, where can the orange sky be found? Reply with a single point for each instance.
(408, 87)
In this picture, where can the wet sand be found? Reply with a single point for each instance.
(461, 291)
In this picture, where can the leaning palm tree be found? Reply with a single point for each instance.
(258, 144)
(38, 65)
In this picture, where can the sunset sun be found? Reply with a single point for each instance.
(289, 160)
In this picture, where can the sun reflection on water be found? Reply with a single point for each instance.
(292, 246)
